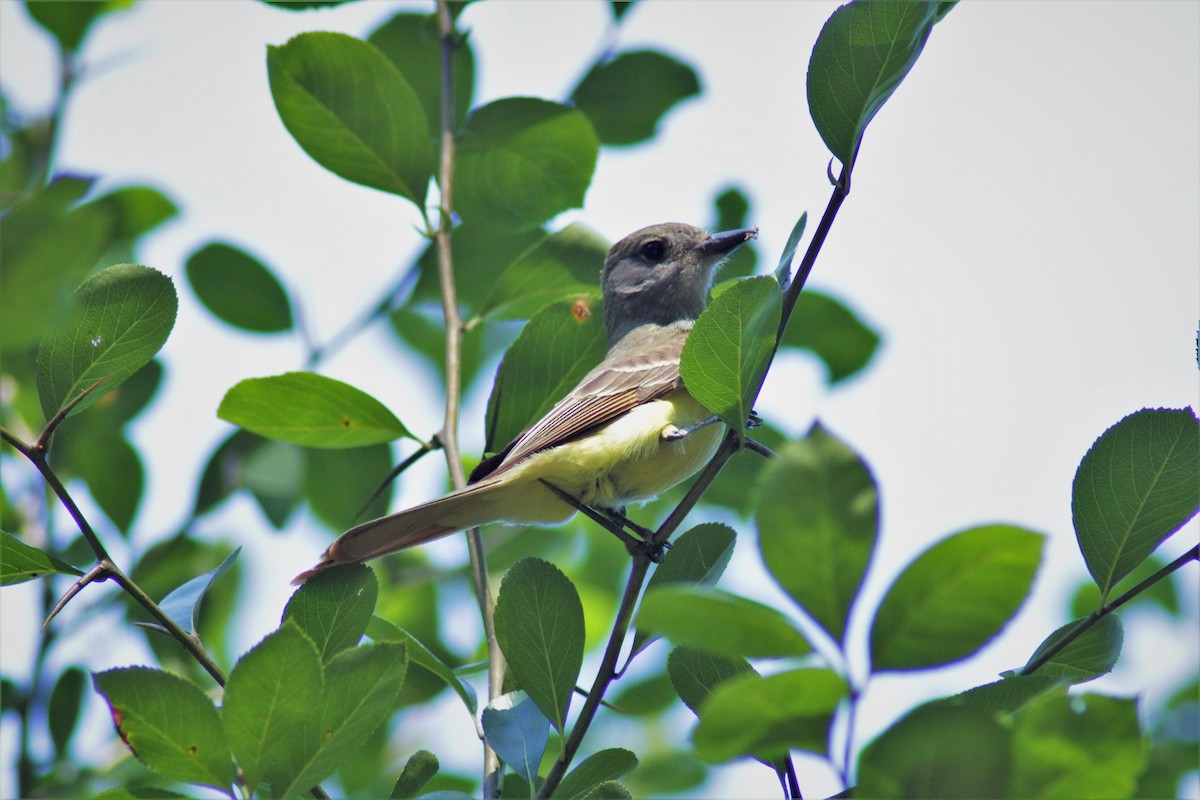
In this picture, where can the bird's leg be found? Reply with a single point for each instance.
(615, 523)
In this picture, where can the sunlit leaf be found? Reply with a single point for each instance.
(596, 770)
(565, 264)
(720, 622)
(381, 630)
(334, 607)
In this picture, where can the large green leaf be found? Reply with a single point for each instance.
(695, 674)
(334, 607)
(522, 161)
(833, 333)
(309, 409)
(564, 264)
(862, 54)
(595, 771)
(720, 622)
(954, 597)
(20, 562)
(352, 111)
(169, 724)
(728, 350)
(1138, 484)
(481, 253)
(818, 519)
(1092, 654)
(381, 630)
(239, 289)
(112, 468)
(539, 624)
(63, 712)
(136, 210)
(120, 319)
(338, 483)
(626, 96)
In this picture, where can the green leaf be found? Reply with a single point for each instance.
(833, 333)
(20, 562)
(938, 750)
(733, 208)
(334, 607)
(1138, 484)
(169, 724)
(183, 604)
(273, 711)
(482, 252)
(338, 483)
(63, 712)
(517, 731)
(565, 264)
(553, 353)
(728, 350)
(1007, 694)
(719, 622)
(136, 210)
(783, 271)
(352, 111)
(750, 715)
(539, 624)
(311, 410)
(69, 22)
(113, 471)
(522, 161)
(697, 557)
(1084, 746)
(596, 770)
(737, 485)
(121, 318)
(954, 597)
(862, 54)
(239, 289)
(1163, 593)
(818, 519)
(1092, 654)
(381, 630)
(273, 473)
(418, 770)
(626, 96)
(695, 674)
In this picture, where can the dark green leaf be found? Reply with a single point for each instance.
(863, 52)
(1138, 484)
(695, 673)
(334, 607)
(620, 7)
(667, 772)
(625, 97)
(311, 410)
(650, 695)
(113, 471)
(818, 518)
(1164, 593)
(539, 624)
(728, 350)
(1092, 654)
(719, 622)
(381, 630)
(353, 112)
(272, 715)
(69, 22)
(749, 715)
(274, 474)
(338, 483)
(420, 767)
(596, 770)
(136, 210)
(553, 353)
(169, 724)
(19, 562)
(120, 319)
(63, 712)
(183, 604)
(564, 265)
(736, 486)
(833, 333)
(239, 289)
(517, 731)
(954, 597)
(733, 208)
(522, 161)
(783, 271)
(938, 750)
(1007, 694)
(303, 5)
(481, 254)
(608, 790)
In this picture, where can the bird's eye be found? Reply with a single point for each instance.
(654, 250)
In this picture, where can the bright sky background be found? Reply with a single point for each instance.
(1024, 230)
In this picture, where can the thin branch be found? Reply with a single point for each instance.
(424, 449)
(43, 441)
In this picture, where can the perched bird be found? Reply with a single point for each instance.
(626, 433)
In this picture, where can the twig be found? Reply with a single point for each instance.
(424, 449)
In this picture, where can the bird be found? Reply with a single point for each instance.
(626, 433)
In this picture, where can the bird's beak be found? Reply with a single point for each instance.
(718, 244)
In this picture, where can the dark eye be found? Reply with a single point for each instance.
(654, 250)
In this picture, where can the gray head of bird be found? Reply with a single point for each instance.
(662, 274)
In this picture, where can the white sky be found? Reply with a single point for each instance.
(1024, 229)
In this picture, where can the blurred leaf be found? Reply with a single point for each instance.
(783, 271)
(272, 712)
(381, 630)
(649, 695)
(733, 208)
(720, 622)
(626, 96)
(554, 351)
(1092, 654)
(667, 772)
(862, 54)
(352, 111)
(596, 770)
(339, 482)
(1007, 694)
(954, 598)
(938, 750)
(311, 410)
(169, 724)
(63, 712)
(69, 22)
(833, 333)
(697, 557)
(750, 715)
(136, 210)
(113, 471)
(1138, 484)
(517, 731)
(1164, 593)
(19, 562)
(522, 161)
(817, 520)
(481, 254)
(736, 487)
(564, 265)
(728, 350)
(413, 44)
(183, 604)
(1085, 746)
(619, 8)
(121, 318)
(334, 607)
(420, 767)
(695, 673)
(539, 624)
(303, 5)
(274, 474)
(239, 289)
